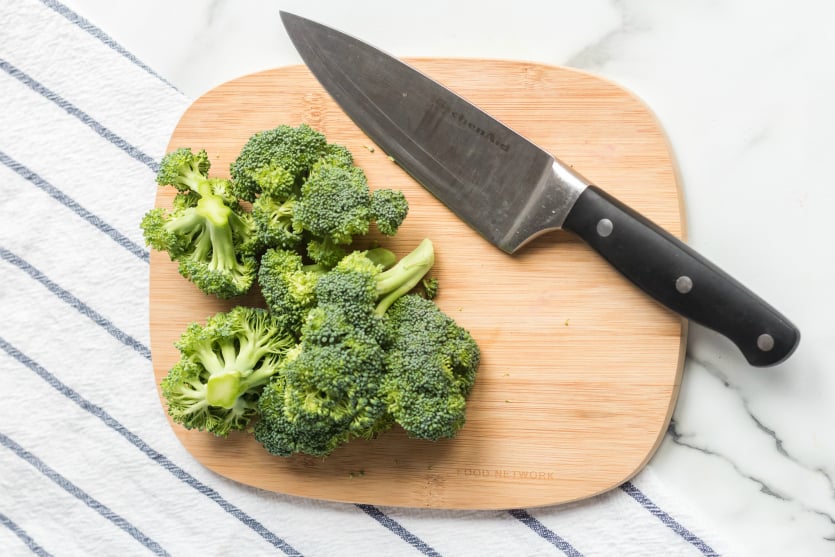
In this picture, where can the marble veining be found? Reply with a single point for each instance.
(745, 92)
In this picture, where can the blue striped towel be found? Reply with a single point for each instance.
(90, 467)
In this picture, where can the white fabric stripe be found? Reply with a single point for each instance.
(16, 541)
(663, 496)
(62, 524)
(613, 524)
(92, 361)
(75, 255)
(106, 467)
(97, 32)
(121, 95)
(82, 164)
(474, 532)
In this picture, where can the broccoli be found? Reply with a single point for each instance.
(223, 367)
(273, 222)
(328, 391)
(206, 232)
(338, 155)
(430, 288)
(431, 366)
(336, 205)
(307, 194)
(389, 208)
(293, 150)
(184, 170)
(288, 286)
(330, 388)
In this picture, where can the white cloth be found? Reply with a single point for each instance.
(88, 463)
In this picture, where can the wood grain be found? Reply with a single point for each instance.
(580, 370)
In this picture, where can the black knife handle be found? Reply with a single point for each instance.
(681, 279)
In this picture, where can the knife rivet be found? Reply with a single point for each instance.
(765, 342)
(684, 284)
(604, 227)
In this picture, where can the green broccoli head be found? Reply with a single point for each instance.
(304, 433)
(324, 251)
(389, 208)
(338, 155)
(430, 287)
(273, 222)
(329, 390)
(335, 203)
(360, 281)
(292, 150)
(213, 243)
(185, 170)
(308, 192)
(223, 367)
(288, 287)
(158, 236)
(274, 181)
(431, 366)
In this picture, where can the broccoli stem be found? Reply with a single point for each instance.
(223, 389)
(257, 378)
(223, 250)
(199, 183)
(405, 275)
(381, 256)
(190, 220)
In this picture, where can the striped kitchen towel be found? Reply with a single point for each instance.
(88, 463)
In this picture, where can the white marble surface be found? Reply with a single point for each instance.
(745, 90)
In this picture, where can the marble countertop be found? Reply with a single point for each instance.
(745, 91)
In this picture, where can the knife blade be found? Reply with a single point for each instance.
(510, 190)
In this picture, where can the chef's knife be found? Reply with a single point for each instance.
(509, 190)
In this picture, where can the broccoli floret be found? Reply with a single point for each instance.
(430, 288)
(330, 389)
(335, 203)
(288, 287)
(274, 181)
(328, 392)
(294, 150)
(431, 366)
(209, 235)
(338, 155)
(403, 276)
(389, 208)
(359, 280)
(185, 170)
(308, 194)
(223, 367)
(273, 222)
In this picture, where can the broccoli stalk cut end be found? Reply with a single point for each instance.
(222, 390)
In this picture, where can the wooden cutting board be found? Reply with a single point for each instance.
(580, 370)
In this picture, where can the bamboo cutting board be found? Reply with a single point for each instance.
(580, 371)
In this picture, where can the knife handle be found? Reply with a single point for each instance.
(681, 279)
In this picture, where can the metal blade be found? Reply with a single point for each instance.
(500, 183)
